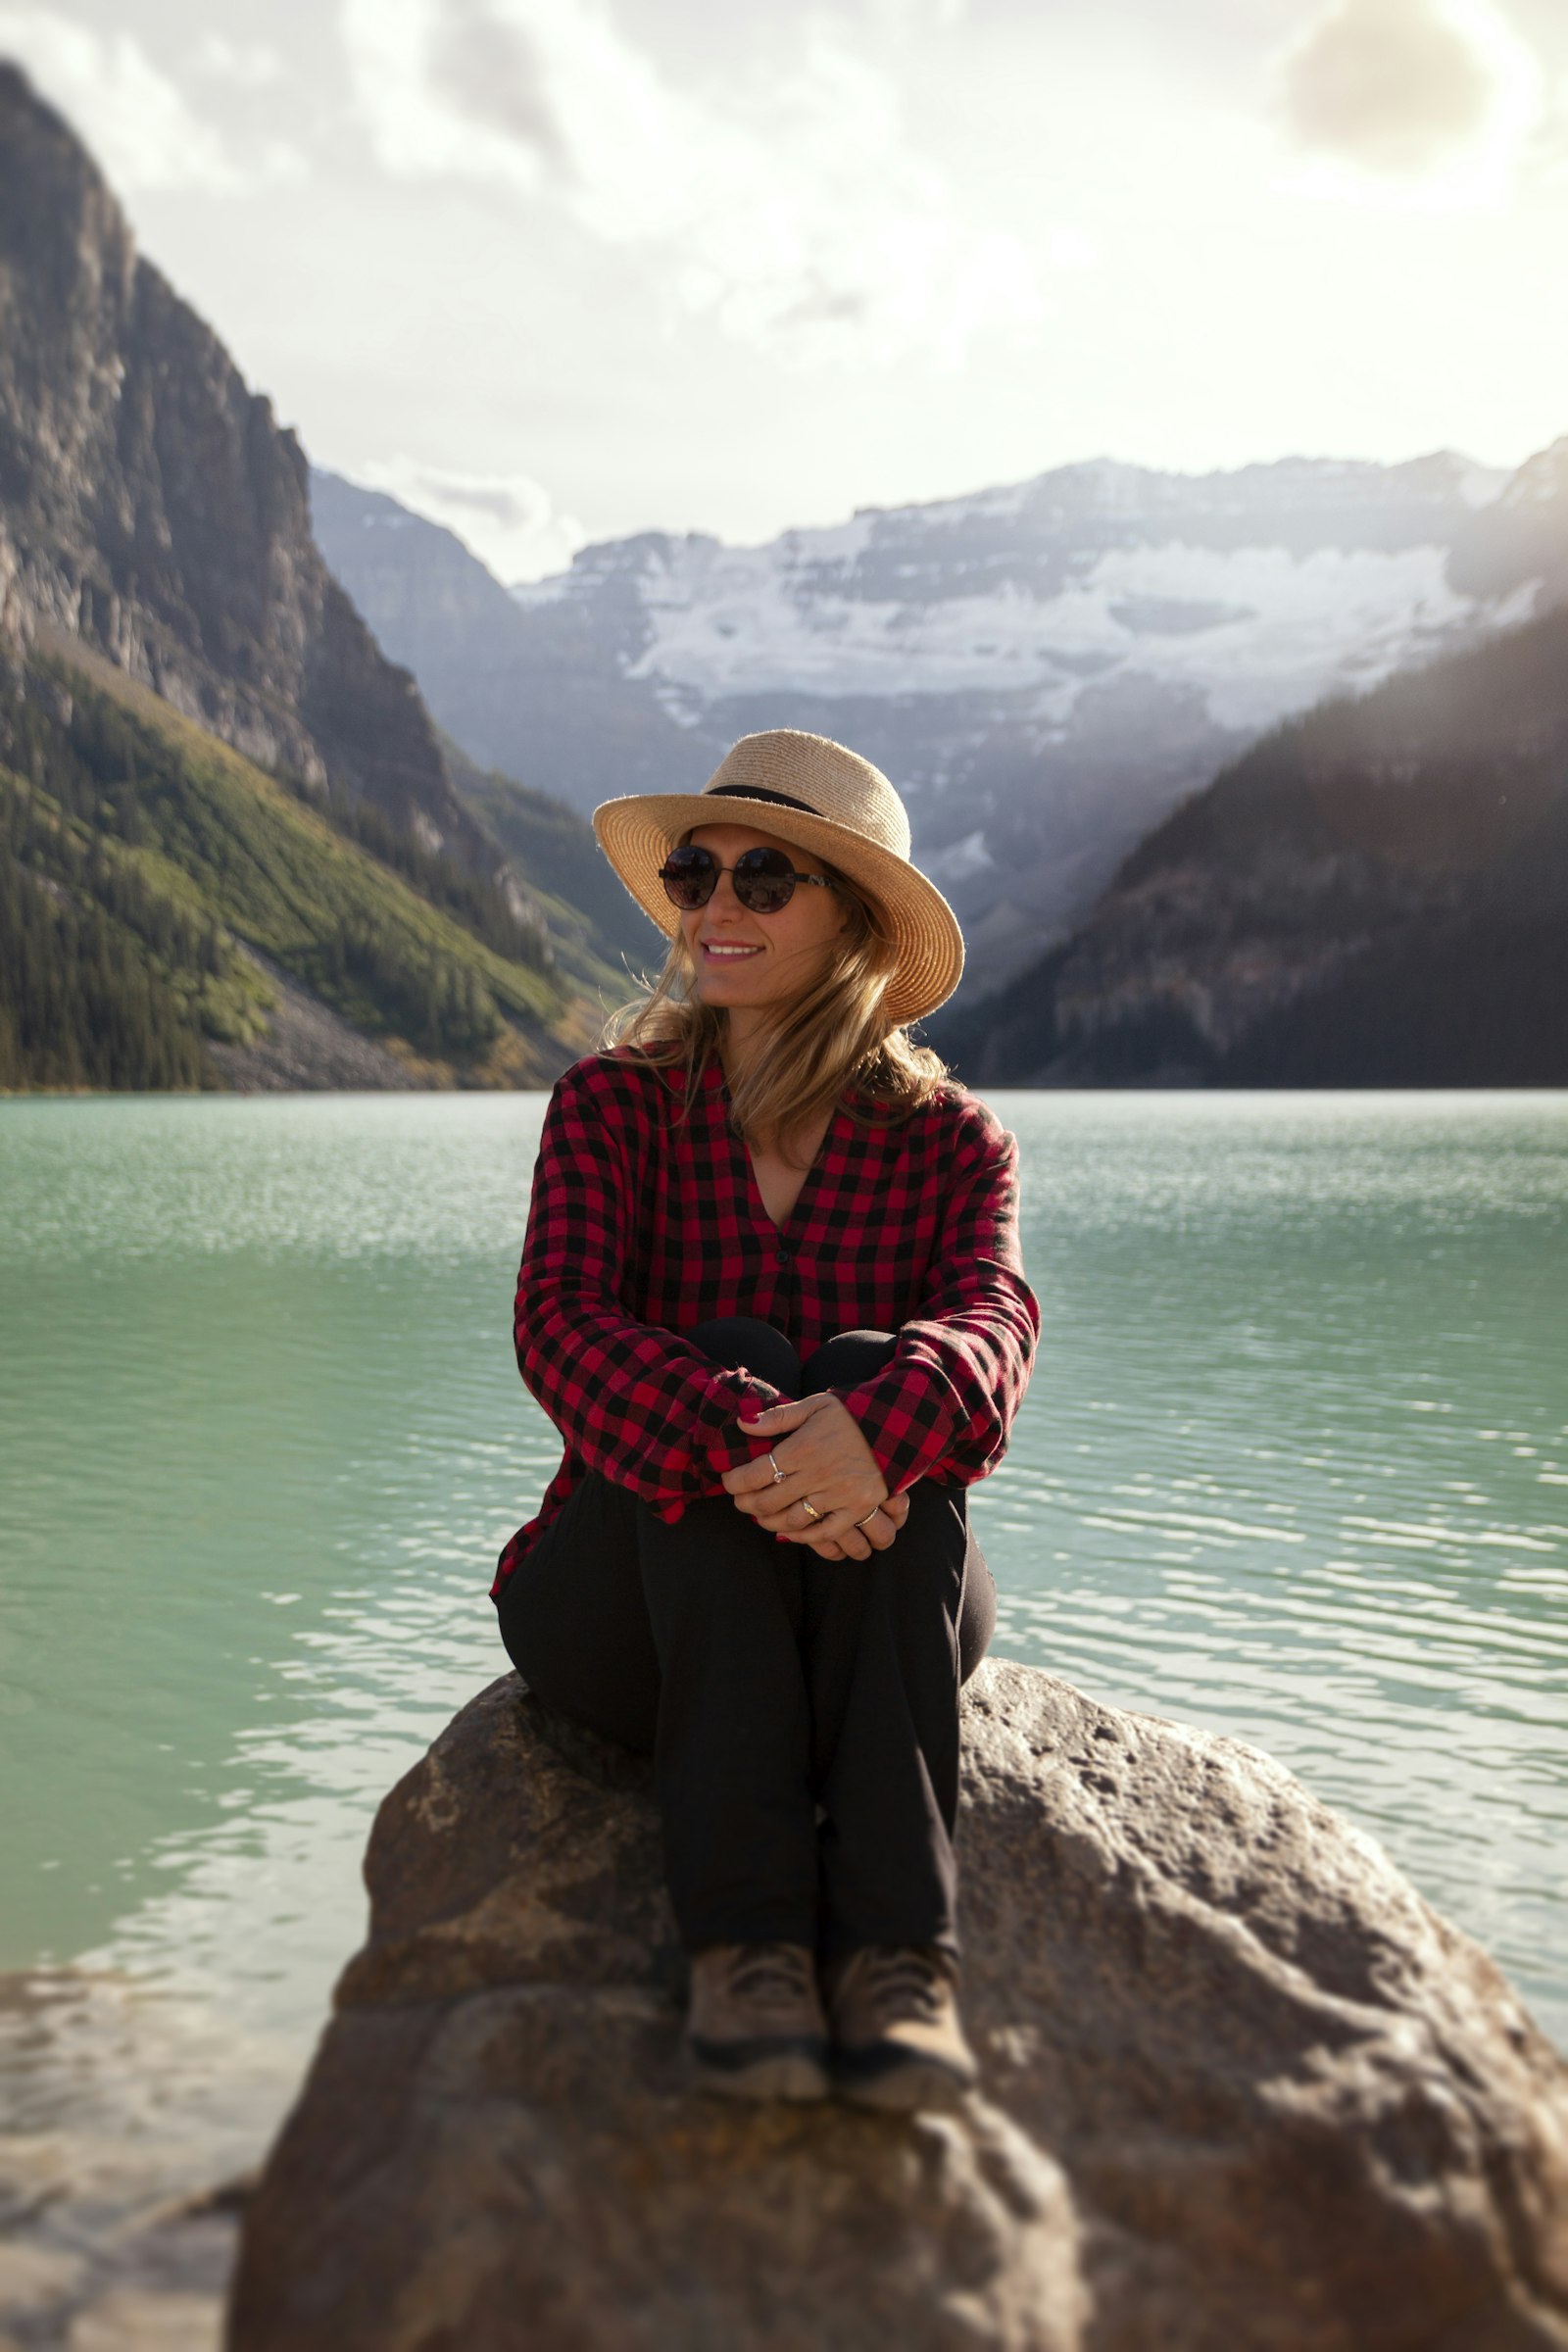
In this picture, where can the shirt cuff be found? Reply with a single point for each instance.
(725, 1444)
(908, 1434)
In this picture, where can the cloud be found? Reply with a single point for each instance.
(788, 205)
(1412, 88)
(247, 65)
(508, 519)
(134, 118)
(490, 72)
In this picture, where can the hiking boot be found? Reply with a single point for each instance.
(896, 2038)
(755, 2028)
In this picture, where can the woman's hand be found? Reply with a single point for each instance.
(816, 1442)
(875, 1536)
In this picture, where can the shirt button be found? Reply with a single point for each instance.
(784, 1256)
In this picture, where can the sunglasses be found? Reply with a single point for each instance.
(764, 879)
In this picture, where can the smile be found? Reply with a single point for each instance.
(728, 954)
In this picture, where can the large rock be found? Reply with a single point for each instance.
(1242, 2087)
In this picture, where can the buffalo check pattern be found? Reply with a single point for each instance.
(646, 1222)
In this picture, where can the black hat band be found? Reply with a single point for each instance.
(755, 792)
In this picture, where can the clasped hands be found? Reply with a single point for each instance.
(817, 1443)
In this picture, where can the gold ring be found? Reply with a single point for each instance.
(808, 1507)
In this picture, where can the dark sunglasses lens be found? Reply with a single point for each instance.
(689, 875)
(764, 880)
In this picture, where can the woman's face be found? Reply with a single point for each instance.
(749, 960)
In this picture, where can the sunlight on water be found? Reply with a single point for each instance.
(1296, 1463)
(1293, 1465)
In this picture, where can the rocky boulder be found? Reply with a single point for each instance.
(1242, 2087)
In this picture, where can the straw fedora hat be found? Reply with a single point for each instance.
(809, 790)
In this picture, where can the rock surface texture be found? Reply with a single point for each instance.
(1242, 2089)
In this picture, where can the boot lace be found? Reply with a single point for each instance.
(770, 1973)
(906, 1981)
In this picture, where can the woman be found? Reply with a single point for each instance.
(772, 1298)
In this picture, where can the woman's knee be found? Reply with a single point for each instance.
(573, 1620)
(605, 1679)
(849, 1356)
(977, 1618)
(937, 1563)
(738, 1341)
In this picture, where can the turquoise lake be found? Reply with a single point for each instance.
(1293, 1465)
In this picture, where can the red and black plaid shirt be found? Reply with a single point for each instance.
(641, 1228)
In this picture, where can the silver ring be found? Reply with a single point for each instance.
(777, 1472)
(870, 1516)
(809, 1508)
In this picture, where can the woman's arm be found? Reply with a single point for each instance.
(635, 1402)
(943, 1405)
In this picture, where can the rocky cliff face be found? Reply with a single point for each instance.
(1521, 537)
(1239, 2086)
(1044, 670)
(437, 608)
(151, 507)
(1375, 895)
(460, 634)
(541, 694)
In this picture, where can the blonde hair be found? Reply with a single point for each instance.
(831, 1036)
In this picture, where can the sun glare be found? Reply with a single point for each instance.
(1364, 68)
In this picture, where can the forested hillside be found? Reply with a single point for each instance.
(1375, 895)
(591, 916)
(147, 870)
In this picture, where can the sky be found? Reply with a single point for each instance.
(558, 270)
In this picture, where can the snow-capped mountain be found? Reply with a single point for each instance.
(1045, 670)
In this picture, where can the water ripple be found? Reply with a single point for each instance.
(1292, 1465)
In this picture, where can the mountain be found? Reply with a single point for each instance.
(1521, 536)
(232, 847)
(459, 631)
(594, 924)
(1374, 895)
(151, 507)
(438, 610)
(173, 917)
(1046, 670)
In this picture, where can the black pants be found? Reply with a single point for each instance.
(801, 1713)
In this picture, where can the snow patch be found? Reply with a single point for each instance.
(1287, 629)
(959, 861)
